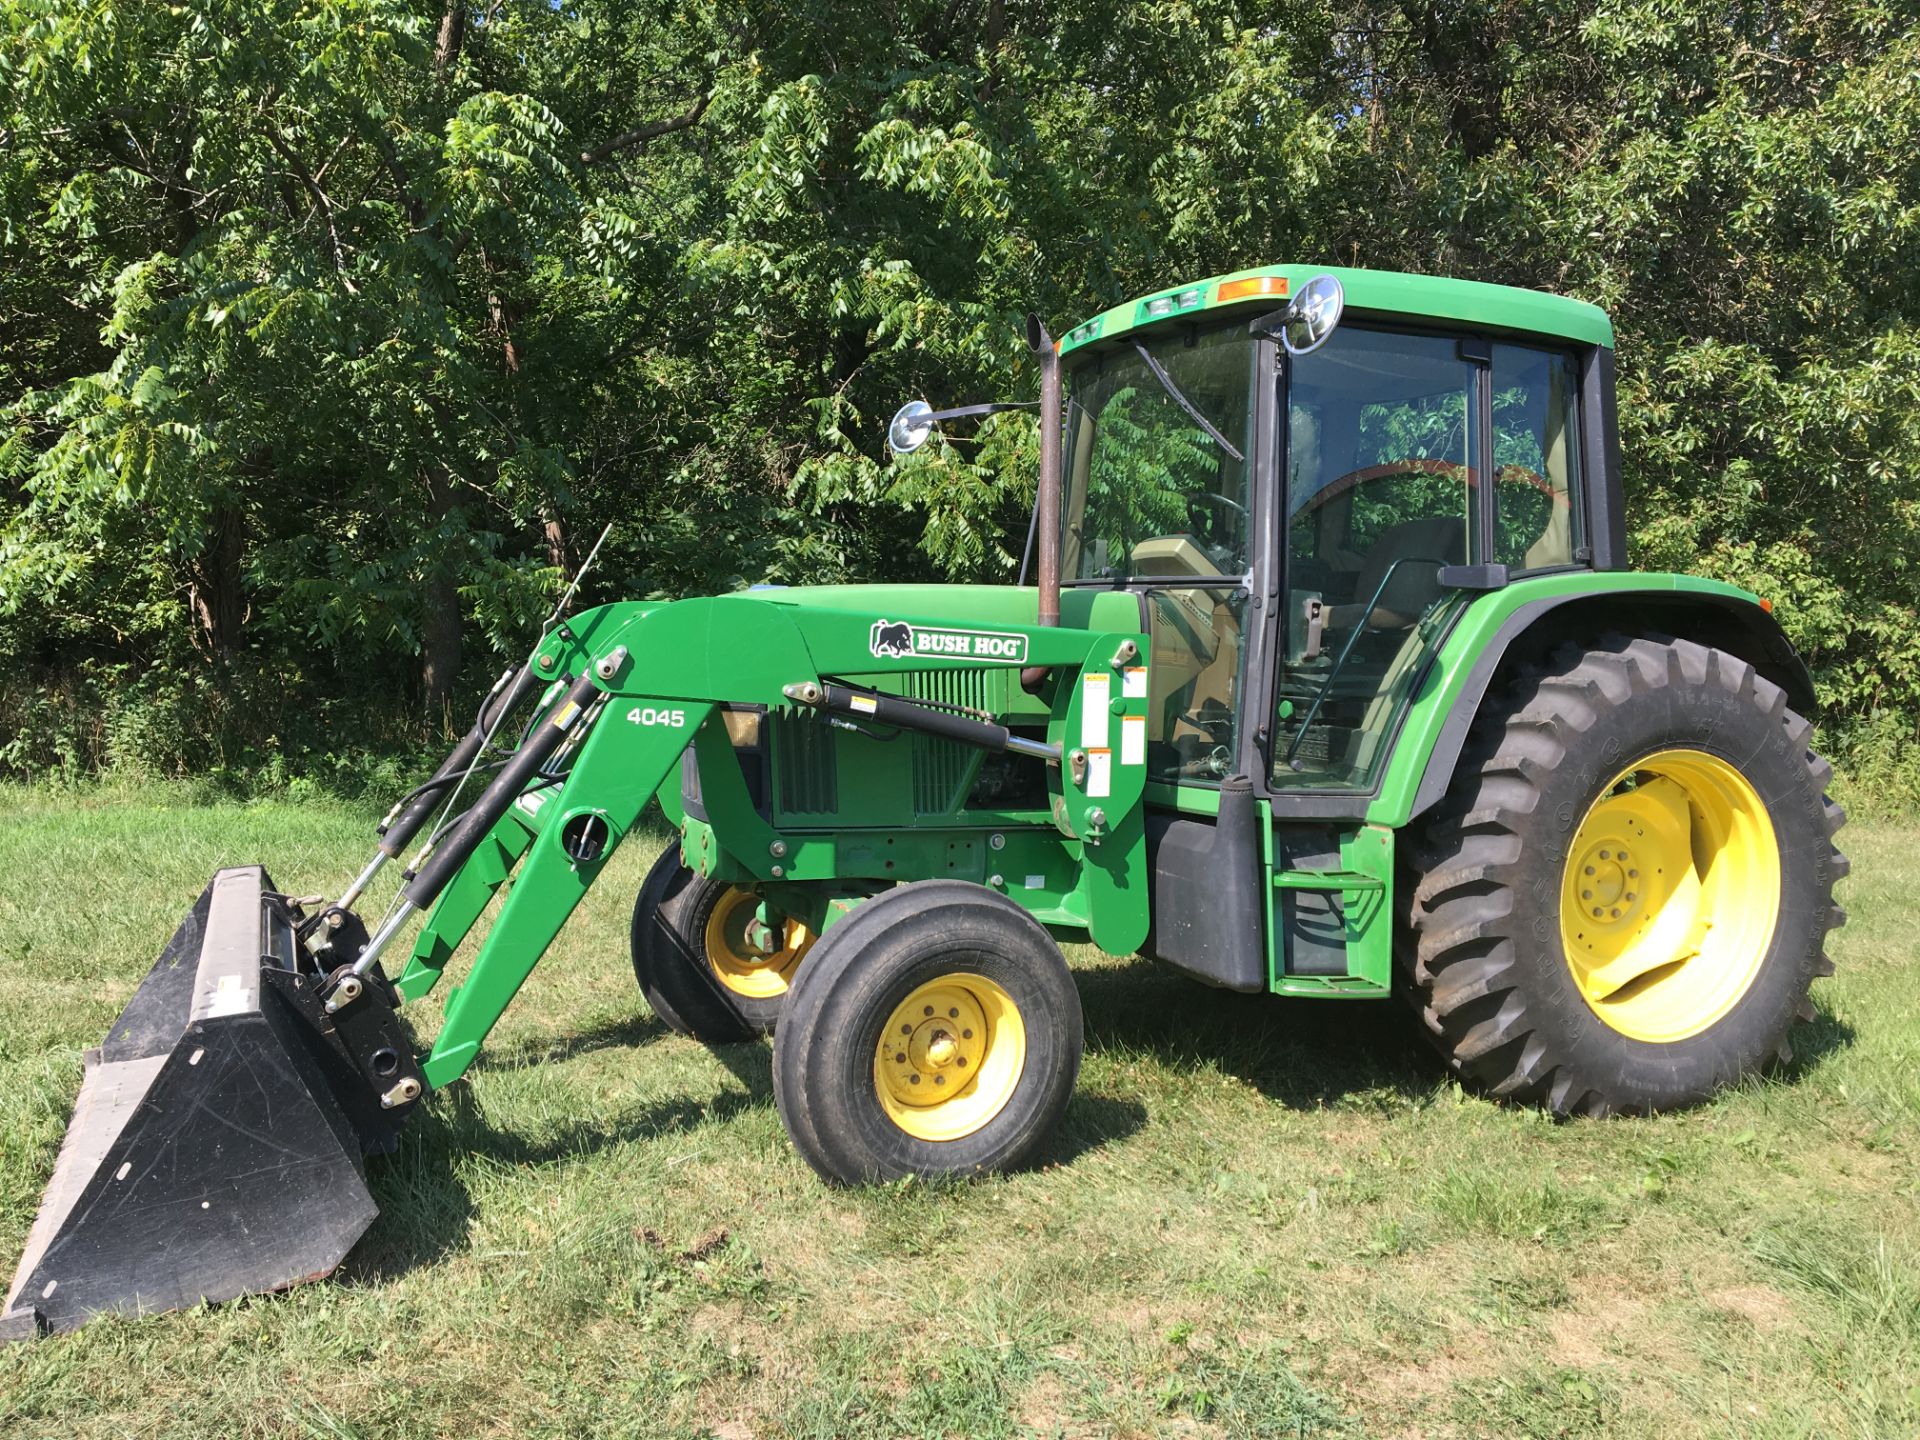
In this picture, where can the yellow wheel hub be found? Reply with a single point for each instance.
(1670, 895)
(950, 1057)
(751, 956)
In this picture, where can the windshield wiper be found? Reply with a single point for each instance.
(1166, 381)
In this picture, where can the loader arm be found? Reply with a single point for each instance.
(657, 674)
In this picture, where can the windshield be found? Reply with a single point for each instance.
(1156, 482)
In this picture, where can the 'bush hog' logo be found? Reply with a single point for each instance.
(896, 640)
(891, 637)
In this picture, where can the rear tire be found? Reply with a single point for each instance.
(983, 1038)
(693, 964)
(1623, 900)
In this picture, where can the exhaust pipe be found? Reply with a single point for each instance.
(1047, 500)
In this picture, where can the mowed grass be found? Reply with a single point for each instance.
(1260, 1218)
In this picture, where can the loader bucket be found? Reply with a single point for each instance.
(215, 1150)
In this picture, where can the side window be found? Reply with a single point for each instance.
(1381, 444)
(1193, 697)
(1383, 439)
(1412, 460)
(1536, 457)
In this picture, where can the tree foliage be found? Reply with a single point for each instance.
(336, 328)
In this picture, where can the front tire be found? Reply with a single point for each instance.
(695, 958)
(1625, 896)
(934, 1031)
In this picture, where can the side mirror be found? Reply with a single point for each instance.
(1312, 315)
(910, 428)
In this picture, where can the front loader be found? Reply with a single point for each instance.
(1333, 685)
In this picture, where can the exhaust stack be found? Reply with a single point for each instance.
(1047, 498)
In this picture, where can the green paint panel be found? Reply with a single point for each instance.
(1440, 691)
(463, 902)
(1382, 292)
(619, 766)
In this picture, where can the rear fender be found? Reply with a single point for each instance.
(1715, 615)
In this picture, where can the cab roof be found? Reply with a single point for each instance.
(1379, 292)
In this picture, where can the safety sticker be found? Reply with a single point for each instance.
(1133, 739)
(1094, 690)
(1036, 882)
(231, 996)
(865, 704)
(1099, 774)
(563, 717)
(1134, 682)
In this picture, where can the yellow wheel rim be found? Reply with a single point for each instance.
(1670, 895)
(950, 1057)
(750, 958)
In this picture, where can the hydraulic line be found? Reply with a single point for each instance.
(508, 783)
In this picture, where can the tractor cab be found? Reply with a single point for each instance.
(1302, 522)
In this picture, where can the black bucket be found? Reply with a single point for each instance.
(216, 1147)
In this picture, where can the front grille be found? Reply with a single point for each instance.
(942, 767)
(807, 761)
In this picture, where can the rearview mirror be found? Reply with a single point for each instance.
(911, 427)
(1312, 315)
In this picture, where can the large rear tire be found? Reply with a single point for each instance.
(934, 1031)
(695, 956)
(1624, 898)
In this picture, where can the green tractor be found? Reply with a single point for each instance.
(1333, 684)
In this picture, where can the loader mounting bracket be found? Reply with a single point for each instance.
(367, 1054)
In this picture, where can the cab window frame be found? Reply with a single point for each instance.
(1593, 499)
(1261, 378)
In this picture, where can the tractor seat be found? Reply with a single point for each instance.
(1420, 547)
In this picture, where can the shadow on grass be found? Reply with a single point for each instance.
(426, 1205)
(627, 1032)
(1821, 1037)
(1305, 1054)
(424, 1189)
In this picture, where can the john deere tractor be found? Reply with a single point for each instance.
(1333, 684)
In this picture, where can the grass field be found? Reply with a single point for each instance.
(1261, 1218)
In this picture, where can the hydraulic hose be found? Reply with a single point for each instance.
(534, 752)
(508, 691)
(455, 850)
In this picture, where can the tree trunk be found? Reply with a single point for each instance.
(440, 629)
(453, 33)
(215, 592)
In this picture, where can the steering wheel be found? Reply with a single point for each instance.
(1219, 499)
(1505, 474)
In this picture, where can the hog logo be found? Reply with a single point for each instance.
(891, 637)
